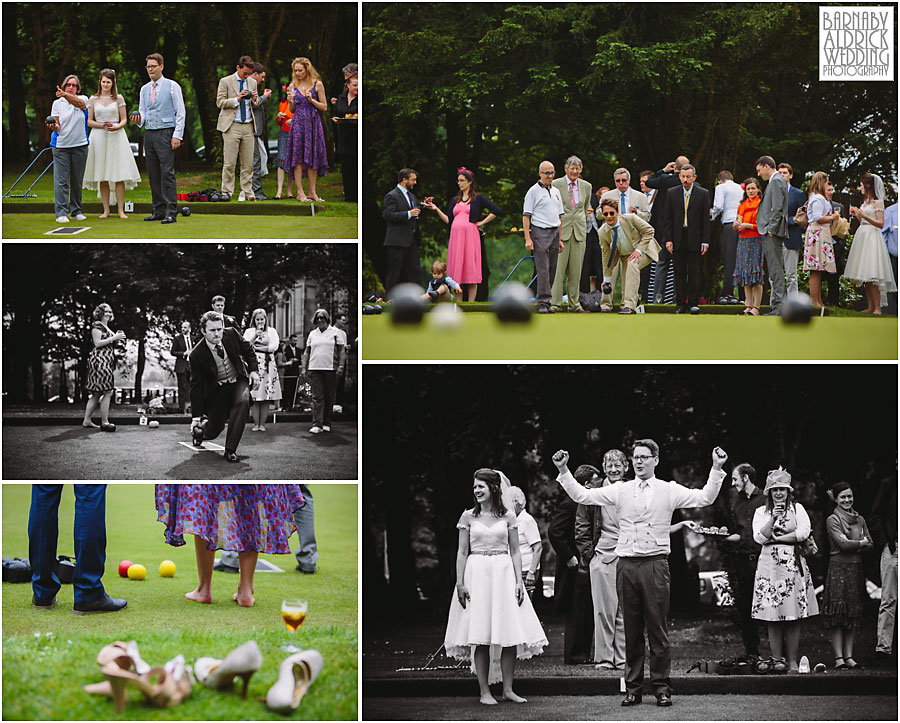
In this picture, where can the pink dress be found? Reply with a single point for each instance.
(464, 249)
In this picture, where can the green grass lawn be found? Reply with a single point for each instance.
(49, 655)
(36, 225)
(652, 337)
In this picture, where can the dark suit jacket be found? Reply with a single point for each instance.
(203, 366)
(291, 354)
(401, 230)
(839, 207)
(796, 198)
(662, 182)
(883, 518)
(561, 532)
(698, 230)
(178, 351)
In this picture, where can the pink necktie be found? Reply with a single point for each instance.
(572, 203)
(153, 92)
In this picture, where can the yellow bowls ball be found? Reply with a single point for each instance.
(137, 572)
(167, 568)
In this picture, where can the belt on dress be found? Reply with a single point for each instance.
(488, 552)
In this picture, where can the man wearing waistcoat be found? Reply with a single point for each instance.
(161, 113)
(223, 373)
(236, 98)
(644, 507)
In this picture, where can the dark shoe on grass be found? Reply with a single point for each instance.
(103, 604)
(631, 699)
(42, 604)
(664, 700)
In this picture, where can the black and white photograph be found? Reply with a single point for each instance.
(180, 361)
(582, 542)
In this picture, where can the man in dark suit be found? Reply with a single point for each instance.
(838, 245)
(771, 222)
(794, 242)
(181, 347)
(260, 132)
(662, 181)
(90, 548)
(687, 235)
(223, 372)
(291, 371)
(401, 237)
(572, 586)
(218, 305)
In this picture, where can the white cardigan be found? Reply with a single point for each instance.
(250, 336)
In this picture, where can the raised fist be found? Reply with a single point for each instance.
(561, 459)
(719, 457)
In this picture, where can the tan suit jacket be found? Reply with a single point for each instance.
(635, 198)
(226, 95)
(572, 221)
(639, 234)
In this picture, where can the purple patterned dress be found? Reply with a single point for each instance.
(241, 517)
(306, 140)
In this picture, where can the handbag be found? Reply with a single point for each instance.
(840, 227)
(808, 547)
(800, 217)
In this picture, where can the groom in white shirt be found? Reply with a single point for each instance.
(644, 506)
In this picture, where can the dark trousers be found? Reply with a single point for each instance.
(579, 620)
(90, 541)
(592, 265)
(742, 576)
(256, 181)
(307, 553)
(184, 388)
(161, 170)
(403, 266)
(324, 385)
(68, 174)
(892, 295)
(349, 175)
(834, 280)
(546, 256)
(729, 256)
(687, 274)
(228, 403)
(290, 389)
(642, 584)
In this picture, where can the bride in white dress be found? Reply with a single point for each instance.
(868, 263)
(109, 155)
(491, 621)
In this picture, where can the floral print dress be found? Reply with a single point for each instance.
(783, 588)
(240, 517)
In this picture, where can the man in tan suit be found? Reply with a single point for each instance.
(627, 242)
(236, 98)
(576, 198)
(629, 201)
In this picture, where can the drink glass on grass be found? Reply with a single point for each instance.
(293, 613)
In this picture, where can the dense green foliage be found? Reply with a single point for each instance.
(499, 87)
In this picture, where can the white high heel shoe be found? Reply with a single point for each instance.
(243, 661)
(295, 674)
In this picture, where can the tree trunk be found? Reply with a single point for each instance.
(203, 75)
(141, 363)
(17, 146)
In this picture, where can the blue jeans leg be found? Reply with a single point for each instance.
(307, 553)
(43, 532)
(90, 542)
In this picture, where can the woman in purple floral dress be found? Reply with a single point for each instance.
(247, 518)
(305, 152)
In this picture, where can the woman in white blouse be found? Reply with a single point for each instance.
(264, 340)
(324, 357)
(818, 251)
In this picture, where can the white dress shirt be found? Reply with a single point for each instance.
(726, 200)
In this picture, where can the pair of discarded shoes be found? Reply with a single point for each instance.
(169, 685)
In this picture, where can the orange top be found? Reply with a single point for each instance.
(283, 108)
(747, 214)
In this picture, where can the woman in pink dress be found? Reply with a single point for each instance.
(464, 216)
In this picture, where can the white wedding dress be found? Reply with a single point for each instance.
(109, 154)
(492, 616)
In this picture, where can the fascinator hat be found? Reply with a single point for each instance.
(463, 171)
(778, 478)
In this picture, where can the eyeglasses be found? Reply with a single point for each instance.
(548, 173)
(609, 213)
(642, 457)
(70, 85)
